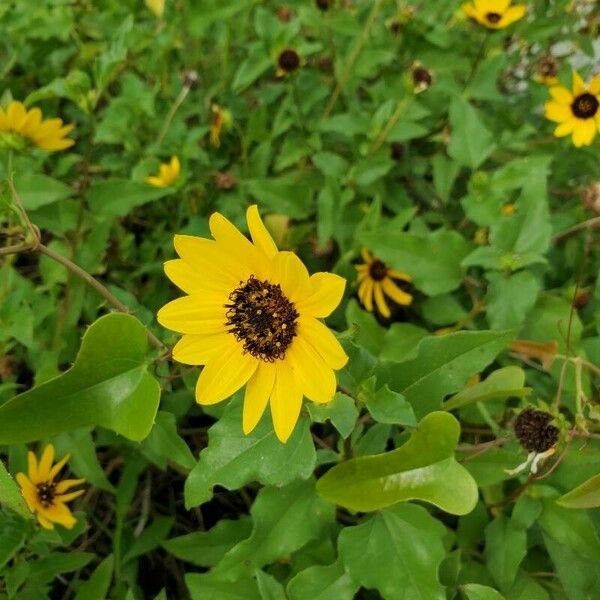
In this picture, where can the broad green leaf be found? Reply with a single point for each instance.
(586, 495)
(433, 260)
(164, 444)
(38, 190)
(423, 468)
(108, 386)
(14, 534)
(476, 591)
(96, 587)
(502, 383)
(401, 341)
(10, 495)
(442, 366)
(233, 459)
(398, 552)
(117, 197)
(505, 548)
(284, 520)
(150, 538)
(206, 586)
(470, 142)
(47, 568)
(322, 583)
(268, 587)
(207, 548)
(341, 411)
(521, 288)
(387, 406)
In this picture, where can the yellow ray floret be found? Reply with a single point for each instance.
(494, 14)
(48, 135)
(376, 281)
(167, 174)
(577, 112)
(252, 318)
(45, 496)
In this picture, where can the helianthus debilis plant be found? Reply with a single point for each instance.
(310, 307)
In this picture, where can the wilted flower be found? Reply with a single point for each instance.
(252, 317)
(20, 124)
(224, 180)
(167, 174)
(547, 70)
(578, 112)
(422, 78)
(46, 497)
(191, 79)
(591, 196)
(221, 121)
(494, 14)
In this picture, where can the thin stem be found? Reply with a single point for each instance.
(185, 90)
(402, 105)
(589, 224)
(347, 73)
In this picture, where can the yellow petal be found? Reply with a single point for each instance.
(315, 379)
(32, 122)
(175, 167)
(514, 13)
(470, 10)
(200, 349)
(557, 112)
(367, 294)
(58, 513)
(395, 293)
(192, 282)
(46, 463)
(290, 272)
(578, 84)
(584, 132)
(561, 94)
(257, 395)
(401, 275)
(595, 85)
(45, 523)
(192, 314)
(32, 467)
(16, 115)
(286, 401)
(366, 256)
(29, 491)
(66, 484)
(68, 497)
(565, 128)
(224, 375)
(323, 341)
(326, 291)
(59, 465)
(260, 236)
(382, 306)
(155, 181)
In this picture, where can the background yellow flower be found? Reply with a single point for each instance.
(495, 14)
(167, 174)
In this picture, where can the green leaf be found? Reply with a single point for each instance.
(207, 548)
(470, 142)
(96, 587)
(502, 383)
(10, 494)
(387, 406)
(47, 568)
(164, 444)
(443, 366)
(322, 583)
(586, 495)
(233, 459)
(505, 548)
(433, 259)
(268, 587)
(398, 552)
(401, 341)
(38, 190)
(117, 197)
(423, 468)
(284, 520)
(521, 288)
(341, 411)
(108, 386)
(14, 534)
(476, 591)
(207, 586)
(150, 538)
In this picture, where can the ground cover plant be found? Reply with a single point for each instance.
(299, 300)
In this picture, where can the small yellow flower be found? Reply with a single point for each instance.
(376, 280)
(252, 317)
(157, 7)
(167, 174)
(508, 209)
(27, 124)
(578, 113)
(221, 121)
(45, 496)
(494, 14)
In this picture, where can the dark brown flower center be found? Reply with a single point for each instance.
(534, 432)
(421, 77)
(46, 492)
(288, 60)
(585, 106)
(323, 4)
(262, 318)
(378, 270)
(493, 17)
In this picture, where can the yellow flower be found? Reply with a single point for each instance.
(251, 317)
(45, 496)
(221, 120)
(376, 280)
(157, 7)
(494, 14)
(508, 209)
(577, 113)
(28, 124)
(167, 174)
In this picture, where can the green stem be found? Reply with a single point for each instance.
(402, 106)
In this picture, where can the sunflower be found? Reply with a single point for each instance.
(494, 14)
(167, 174)
(45, 496)
(376, 280)
(251, 317)
(578, 112)
(28, 125)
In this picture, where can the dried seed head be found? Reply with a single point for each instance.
(422, 77)
(191, 79)
(288, 60)
(534, 431)
(285, 14)
(224, 180)
(591, 197)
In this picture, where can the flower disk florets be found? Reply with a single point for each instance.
(262, 319)
(46, 492)
(585, 106)
(378, 270)
(534, 432)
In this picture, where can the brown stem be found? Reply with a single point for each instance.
(589, 224)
